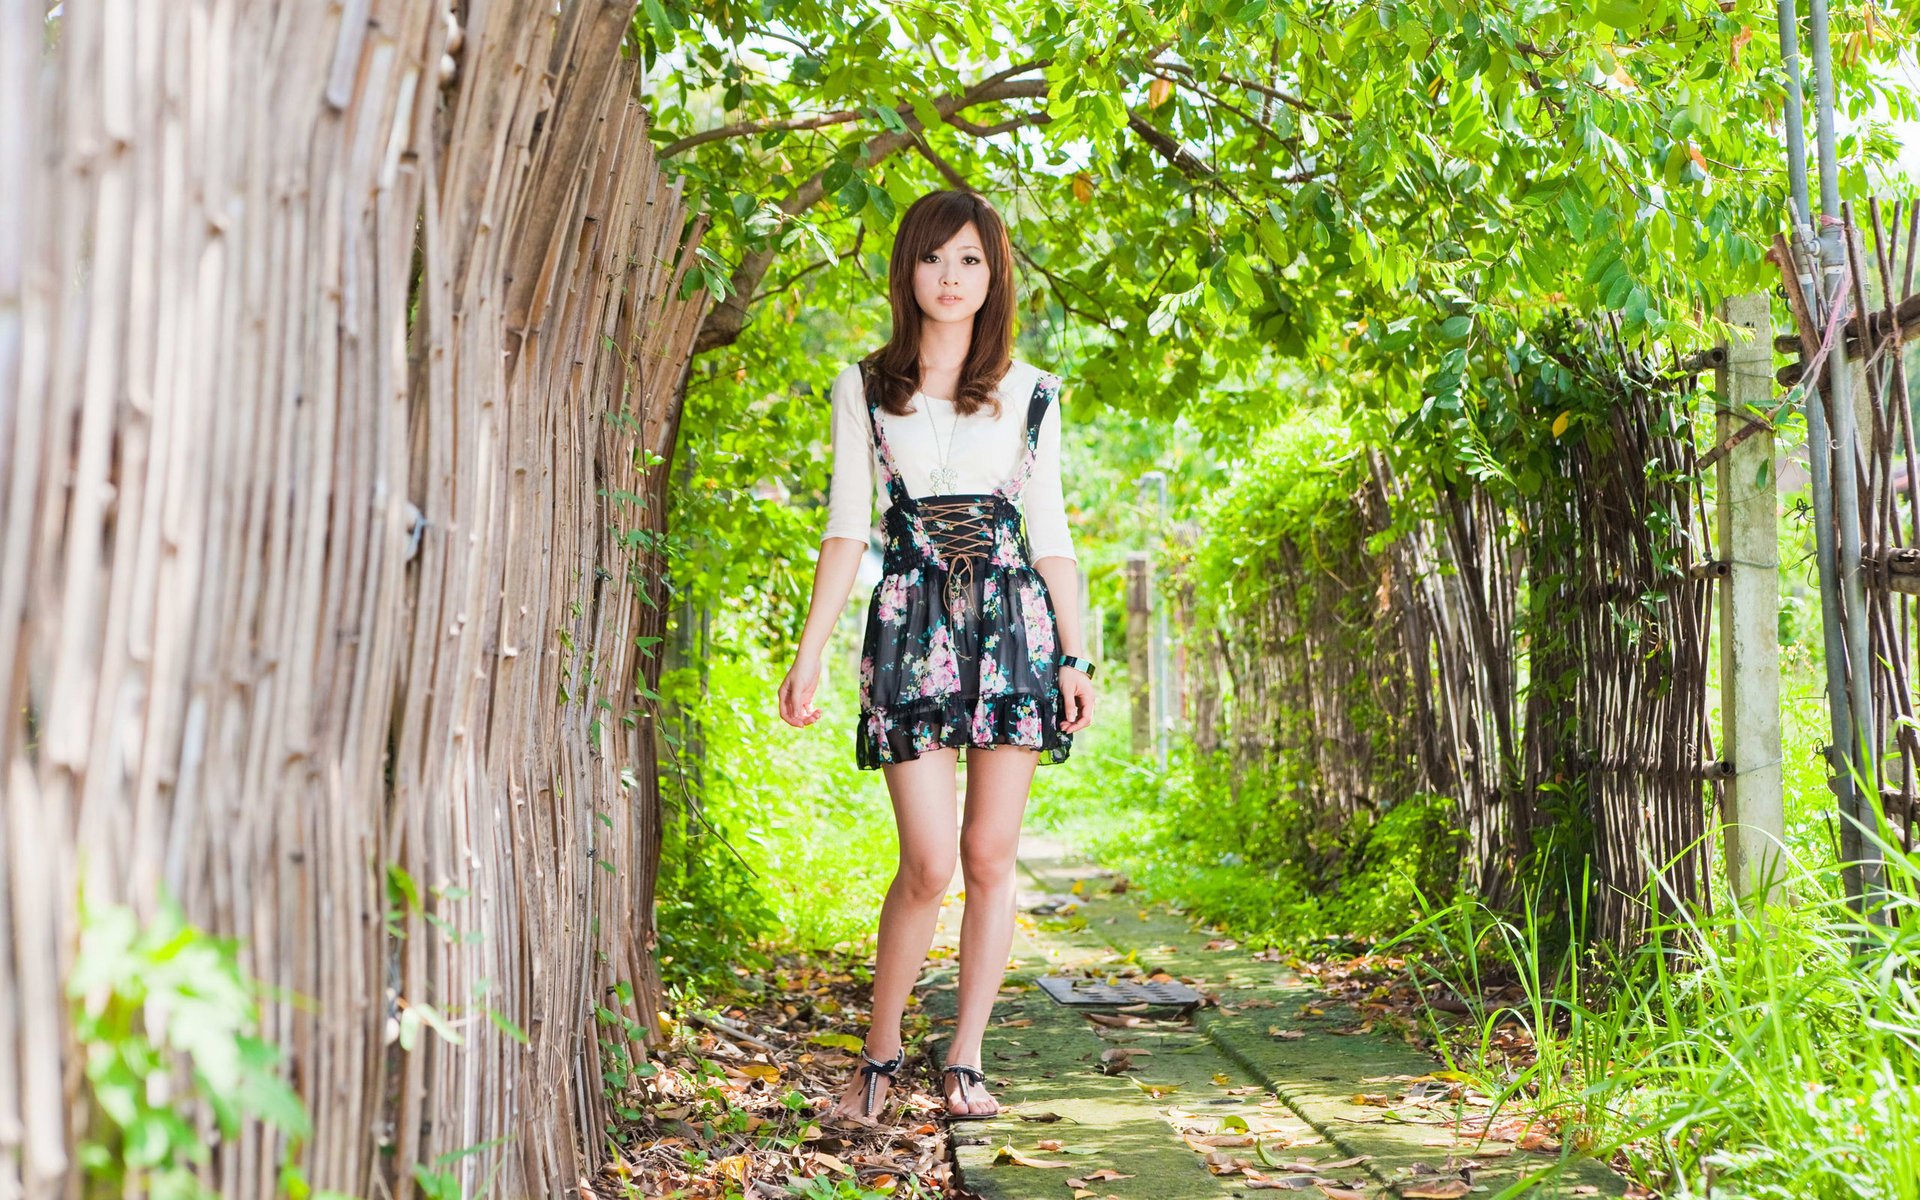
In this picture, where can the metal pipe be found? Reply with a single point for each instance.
(1863, 758)
(1819, 463)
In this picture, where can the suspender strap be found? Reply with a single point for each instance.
(1045, 390)
(889, 473)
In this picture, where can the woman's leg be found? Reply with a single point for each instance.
(998, 781)
(923, 807)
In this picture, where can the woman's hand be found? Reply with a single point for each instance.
(796, 692)
(1076, 692)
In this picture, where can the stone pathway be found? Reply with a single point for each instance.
(1222, 1086)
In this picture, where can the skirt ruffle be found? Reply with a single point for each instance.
(902, 734)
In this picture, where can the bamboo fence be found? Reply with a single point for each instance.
(1873, 333)
(1621, 596)
(1544, 665)
(340, 354)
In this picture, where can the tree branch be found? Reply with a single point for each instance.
(724, 321)
(859, 236)
(1186, 161)
(985, 131)
(1286, 98)
(748, 128)
(1222, 102)
(943, 166)
(1059, 290)
(981, 93)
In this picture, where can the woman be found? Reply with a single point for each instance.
(973, 634)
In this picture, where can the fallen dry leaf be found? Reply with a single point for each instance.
(1049, 1144)
(1443, 1189)
(1219, 1162)
(1341, 1193)
(1008, 1154)
(830, 1162)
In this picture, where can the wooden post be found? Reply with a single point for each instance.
(1092, 620)
(1181, 672)
(1748, 536)
(1140, 683)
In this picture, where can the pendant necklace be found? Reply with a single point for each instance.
(944, 477)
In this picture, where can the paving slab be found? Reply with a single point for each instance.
(1218, 1082)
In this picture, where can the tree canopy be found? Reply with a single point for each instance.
(1398, 188)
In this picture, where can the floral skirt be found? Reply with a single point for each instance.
(959, 652)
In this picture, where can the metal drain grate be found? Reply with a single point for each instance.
(1097, 993)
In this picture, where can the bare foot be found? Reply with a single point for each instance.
(967, 1093)
(852, 1101)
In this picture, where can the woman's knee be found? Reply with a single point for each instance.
(987, 862)
(924, 875)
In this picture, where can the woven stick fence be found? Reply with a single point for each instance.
(1318, 688)
(1621, 597)
(1578, 722)
(1874, 336)
(340, 348)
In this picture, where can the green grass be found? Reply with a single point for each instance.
(1233, 856)
(1778, 1057)
(788, 844)
(1770, 1056)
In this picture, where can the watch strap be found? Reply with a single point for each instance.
(1083, 665)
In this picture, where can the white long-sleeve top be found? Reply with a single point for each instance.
(985, 454)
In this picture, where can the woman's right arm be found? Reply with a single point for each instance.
(833, 575)
(849, 519)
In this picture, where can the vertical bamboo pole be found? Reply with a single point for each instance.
(1859, 751)
(1820, 463)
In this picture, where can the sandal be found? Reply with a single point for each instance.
(967, 1075)
(874, 1068)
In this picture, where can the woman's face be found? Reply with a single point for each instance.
(950, 283)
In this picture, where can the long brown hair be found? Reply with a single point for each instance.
(893, 371)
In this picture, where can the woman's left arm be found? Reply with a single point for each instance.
(1052, 545)
(1076, 690)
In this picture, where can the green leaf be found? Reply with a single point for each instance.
(1624, 15)
(662, 27)
(506, 1026)
(1241, 279)
(853, 195)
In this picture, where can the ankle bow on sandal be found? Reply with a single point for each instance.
(967, 1075)
(874, 1068)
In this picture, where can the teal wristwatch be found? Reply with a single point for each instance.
(1083, 665)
